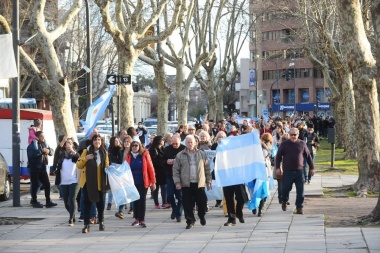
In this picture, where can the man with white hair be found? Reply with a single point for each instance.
(191, 173)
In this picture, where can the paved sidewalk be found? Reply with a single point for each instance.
(275, 231)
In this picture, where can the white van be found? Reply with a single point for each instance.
(27, 117)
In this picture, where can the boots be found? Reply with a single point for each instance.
(101, 226)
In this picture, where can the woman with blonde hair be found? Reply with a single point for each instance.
(204, 141)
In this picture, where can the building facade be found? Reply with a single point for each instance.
(286, 82)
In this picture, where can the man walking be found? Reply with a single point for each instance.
(38, 152)
(170, 152)
(191, 173)
(291, 153)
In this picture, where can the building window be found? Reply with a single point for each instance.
(304, 95)
(320, 95)
(289, 96)
(318, 73)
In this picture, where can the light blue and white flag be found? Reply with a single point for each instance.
(96, 110)
(201, 118)
(239, 159)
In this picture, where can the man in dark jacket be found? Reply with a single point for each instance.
(170, 152)
(38, 152)
(291, 153)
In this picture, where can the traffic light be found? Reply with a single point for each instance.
(136, 88)
(288, 75)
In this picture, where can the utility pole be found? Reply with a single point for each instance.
(88, 53)
(16, 107)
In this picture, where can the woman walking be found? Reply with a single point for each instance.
(93, 180)
(66, 175)
(144, 177)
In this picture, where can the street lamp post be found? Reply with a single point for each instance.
(271, 88)
(16, 107)
(294, 80)
(88, 53)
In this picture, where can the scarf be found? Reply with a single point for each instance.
(135, 154)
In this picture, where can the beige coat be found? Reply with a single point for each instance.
(181, 168)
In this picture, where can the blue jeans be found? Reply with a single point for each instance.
(290, 177)
(306, 174)
(81, 206)
(69, 195)
(110, 197)
(279, 186)
(163, 194)
(177, 208)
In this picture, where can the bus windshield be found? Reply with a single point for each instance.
(25, 103)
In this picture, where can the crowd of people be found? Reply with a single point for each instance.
(174, 165)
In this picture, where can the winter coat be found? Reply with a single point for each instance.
(158, 159)
(181, 168)
(149, 176)
(86, 166)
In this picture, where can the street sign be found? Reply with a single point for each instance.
(111, 79)
(126, 79)
(116, 79)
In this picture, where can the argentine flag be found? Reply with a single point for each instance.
(96, 110)
(239, 160)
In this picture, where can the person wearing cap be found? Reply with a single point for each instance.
(144, 177)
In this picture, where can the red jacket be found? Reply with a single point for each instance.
(149, 176)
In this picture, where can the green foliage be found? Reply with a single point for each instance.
(197, 111)
(146, 81)
(341, 166)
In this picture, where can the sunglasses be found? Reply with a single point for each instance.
(135, 145)
(293, 134)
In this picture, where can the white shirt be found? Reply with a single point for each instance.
(68, 172)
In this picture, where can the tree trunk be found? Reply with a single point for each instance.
(127, 60)
(163, 94)
(182, 94)
(59, 96)
(212, 105)
(350, 126)
(362, 64)
(219, 105)
(375, 13)
(340, 118)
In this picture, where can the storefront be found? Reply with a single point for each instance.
(322, 109)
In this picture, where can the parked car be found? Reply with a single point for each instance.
(5, 180)
(150, 122)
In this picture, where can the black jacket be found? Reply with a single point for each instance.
(36, 159)
(171, 153)
(158, 160)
